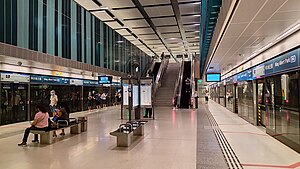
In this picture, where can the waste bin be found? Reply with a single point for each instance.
(83, 121)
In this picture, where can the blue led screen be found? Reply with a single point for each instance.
(213, 77)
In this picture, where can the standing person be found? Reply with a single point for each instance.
(15, 107)
(162, 56)
(206, 97)
(98, 100)
(116, 98)
(40, 122)
(90, 102)
(53, 101)
(103, 98)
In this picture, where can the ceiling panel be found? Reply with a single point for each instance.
(113, 25)
(290, 5)
(195, 27)
(172, 35)
(268, 10)
(136, 23)
(164, 21)
(159, 11)
(189, 9)
(89, 5)
(116, 3)
(128, 13)
(290, 15)
(273, 28)
(235, 29)
(130, 38)
(148, 36)
(252, 28)
(190, 19)
(243, 14)
(167, 29)
(103, 16)
(154, 2)
(123, 32)
(143, 31)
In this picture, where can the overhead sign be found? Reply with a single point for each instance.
(258, 71)
(76, 82)
(15, 77)
(105, 79)
(244, 76)
(90, 83)
(287, 61)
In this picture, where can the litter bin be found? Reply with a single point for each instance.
(83, 121)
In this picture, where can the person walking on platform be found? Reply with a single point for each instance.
(53, 101)
(40, 122)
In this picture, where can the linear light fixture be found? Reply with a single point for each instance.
(289, 31)
(251, 56)
(265, 47)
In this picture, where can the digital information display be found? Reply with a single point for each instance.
(105, 79)
(213, 77)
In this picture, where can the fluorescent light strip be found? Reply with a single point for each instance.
(251, 56)
(289, 31)
(268, 45)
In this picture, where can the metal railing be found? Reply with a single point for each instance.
(162, 69)
(178, 84)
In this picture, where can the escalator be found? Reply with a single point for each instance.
(185, 93)
(155, 70)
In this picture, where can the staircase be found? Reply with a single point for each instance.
(165, 93)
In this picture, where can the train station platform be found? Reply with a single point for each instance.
(176, 139)
(251, 145)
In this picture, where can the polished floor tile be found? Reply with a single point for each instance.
(169, 143)
(254, 148)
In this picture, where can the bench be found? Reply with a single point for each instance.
(76, 127)
(126, 132)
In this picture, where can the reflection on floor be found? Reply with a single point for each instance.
(254, 148)
(169, 143)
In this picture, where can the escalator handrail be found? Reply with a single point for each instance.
(160, 73)
(151, 67)
(178, 84)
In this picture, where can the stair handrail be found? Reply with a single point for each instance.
(160, 74)
(178, 85)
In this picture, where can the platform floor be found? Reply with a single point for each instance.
(170, 142)
(254, 148)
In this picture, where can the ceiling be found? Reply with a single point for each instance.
(154, 26)
(251, 30)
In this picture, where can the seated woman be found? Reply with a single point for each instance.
(40, 122)
(60, 114)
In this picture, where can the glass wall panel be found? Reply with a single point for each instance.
(245, 101)
(283, 119)
(222, 95)
(229, 97)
